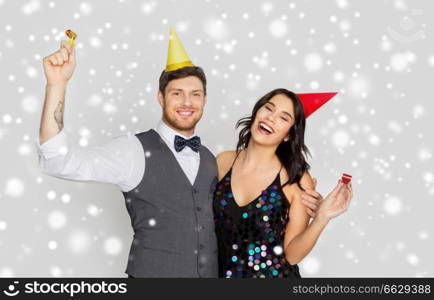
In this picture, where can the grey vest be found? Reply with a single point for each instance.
(172, 220)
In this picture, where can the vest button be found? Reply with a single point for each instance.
(195, 190)
(198, 208)
(201, 247)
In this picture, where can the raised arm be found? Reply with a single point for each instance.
(58, 68)
(120, 161)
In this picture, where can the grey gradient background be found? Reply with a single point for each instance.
(379, 56)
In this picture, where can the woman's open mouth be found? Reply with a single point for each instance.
(265, 129)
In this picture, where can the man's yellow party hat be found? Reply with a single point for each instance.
(177, 57)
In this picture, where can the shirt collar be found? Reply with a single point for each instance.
(168, 133)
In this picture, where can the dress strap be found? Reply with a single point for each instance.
(238, 153)
(287, 182)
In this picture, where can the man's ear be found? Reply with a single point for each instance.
(160, 99)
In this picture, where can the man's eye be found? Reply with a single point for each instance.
(196, 95)
(176, 94)
(268, 108)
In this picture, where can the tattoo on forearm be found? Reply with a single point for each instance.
(58, 114)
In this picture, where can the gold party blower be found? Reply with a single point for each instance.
(72, 36)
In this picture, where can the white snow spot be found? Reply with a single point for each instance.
(313, 62)
(216, 29)
(31, 7)
(278, 28)
(330, 48)
(428, 177)
(310, 265)
(109, 108)
(392, 205)
(152, 222)
(423, 235)
(113, 246)
(56, 271)
(341, 138)
(51, 195)
(85, 8)
(431, 60)
(7, 118)
(266, 7)
(344, 25)
(30, 104)
(418, 111)
(412, 259)
(94, 100)
(6, 272)
(148, 7)
(95, 42)
(359, 87)
(374, 140)
(66, 198)
(14, 187)
(52, 245)
(24, 149)
(338, 76)
(93, 210)
(343, 4)
(3, 225)
(79, 242)
(314, 85)
(424, 154)
(31, 72)
(56, 219)
(400, 62)
(394, 127)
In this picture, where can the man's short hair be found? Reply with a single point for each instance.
(166, 77)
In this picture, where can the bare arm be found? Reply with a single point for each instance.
(299, 237)
(52, 113)
(58, 68)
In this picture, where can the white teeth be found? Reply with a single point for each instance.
(185, 113)
(266, 127)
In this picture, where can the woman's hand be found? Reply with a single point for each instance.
(336, 202)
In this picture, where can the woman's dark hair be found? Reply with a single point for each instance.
(166, 77)
(292, 154)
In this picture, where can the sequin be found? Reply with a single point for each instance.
(251, 237)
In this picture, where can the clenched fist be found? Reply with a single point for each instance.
(59, 66)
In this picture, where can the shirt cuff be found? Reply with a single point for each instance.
(54, 146)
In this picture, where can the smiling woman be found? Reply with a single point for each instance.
(281, 114)
(261, 218)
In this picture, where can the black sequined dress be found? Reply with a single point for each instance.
(251, 237)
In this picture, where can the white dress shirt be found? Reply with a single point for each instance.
(121, 161)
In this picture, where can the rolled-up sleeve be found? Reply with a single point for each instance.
(120, 161)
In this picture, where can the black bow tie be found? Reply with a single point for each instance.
(193, 143)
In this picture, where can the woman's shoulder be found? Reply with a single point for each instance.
(224, 162)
